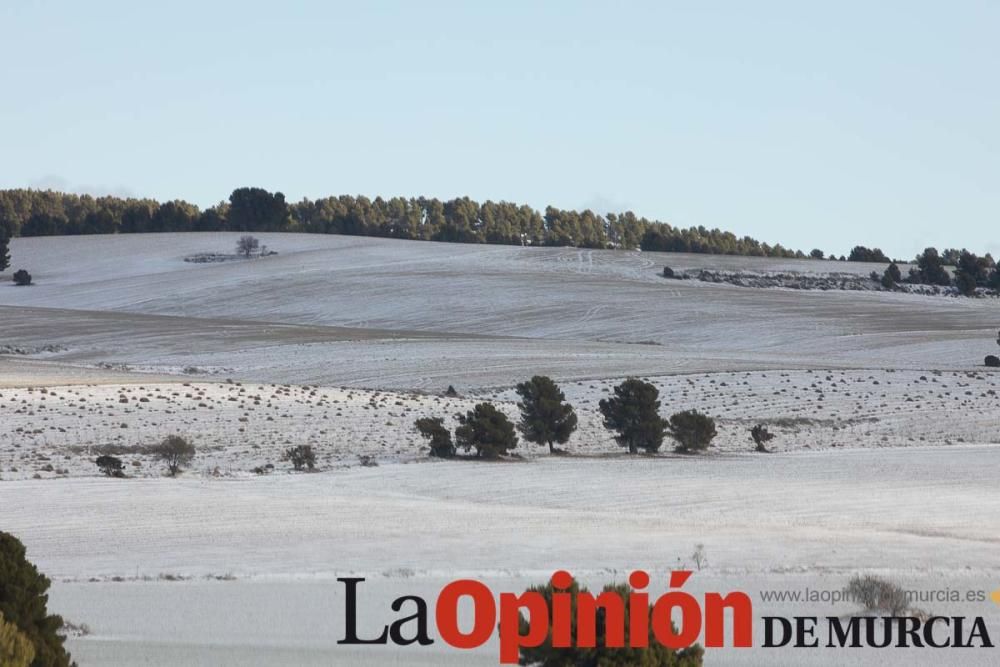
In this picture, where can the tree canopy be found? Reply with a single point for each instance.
(546, 417)
(487, 430)
(634, 414)
(23, 600)
(26, 212)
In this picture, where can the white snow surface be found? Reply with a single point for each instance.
(885, 420)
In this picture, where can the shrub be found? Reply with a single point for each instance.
(634, 414)
(451, 391)
(876, 594)
(699, 556)
(23, 597)
(546, 417)
(692, 430)
(111, 466)
(487, 430)
(301, 456)
(433, 430)
(668, 272)
(654, 654)
(175, 451)
(761, 436)
(992, 361)
(15, 649)
(22, 278)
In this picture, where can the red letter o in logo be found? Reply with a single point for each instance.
(484, 614)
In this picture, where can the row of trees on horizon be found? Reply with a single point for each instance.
(28, 212)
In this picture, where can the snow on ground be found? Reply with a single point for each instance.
(56, 431)
(225, 562)
(885, 421)
(398, 314)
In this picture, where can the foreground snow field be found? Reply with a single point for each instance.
(208, 564)
(886, 423)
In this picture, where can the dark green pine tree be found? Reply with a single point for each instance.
(634, 414)
(487, 430)
(546, 417)
(434, 431)
(23, 599)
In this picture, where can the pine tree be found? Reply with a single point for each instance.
(23, 599)
(433, 430)
(634, 413)
(15, 649)
(487, 430)
(546, 417)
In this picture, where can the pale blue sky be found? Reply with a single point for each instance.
(805, 123)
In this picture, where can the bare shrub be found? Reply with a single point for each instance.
(246, 245)
(877, 594)
(175, 451)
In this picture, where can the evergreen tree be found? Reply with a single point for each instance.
(257, 210)
(892, 276)
(546, 417)
(971, 272)
(654, 654)
(15, 649)
(692, 430)
(487, 430)
(23, 601)
(930, 270)
(862, 254)
(634, 414)
(433, 430)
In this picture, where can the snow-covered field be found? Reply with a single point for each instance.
(885, 421)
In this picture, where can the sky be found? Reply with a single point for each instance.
(810, 124)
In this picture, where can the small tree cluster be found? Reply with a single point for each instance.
(301, 457)
(21, 278)
(175, 451)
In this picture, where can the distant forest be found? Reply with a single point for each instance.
(26, 212)
(46, 213)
